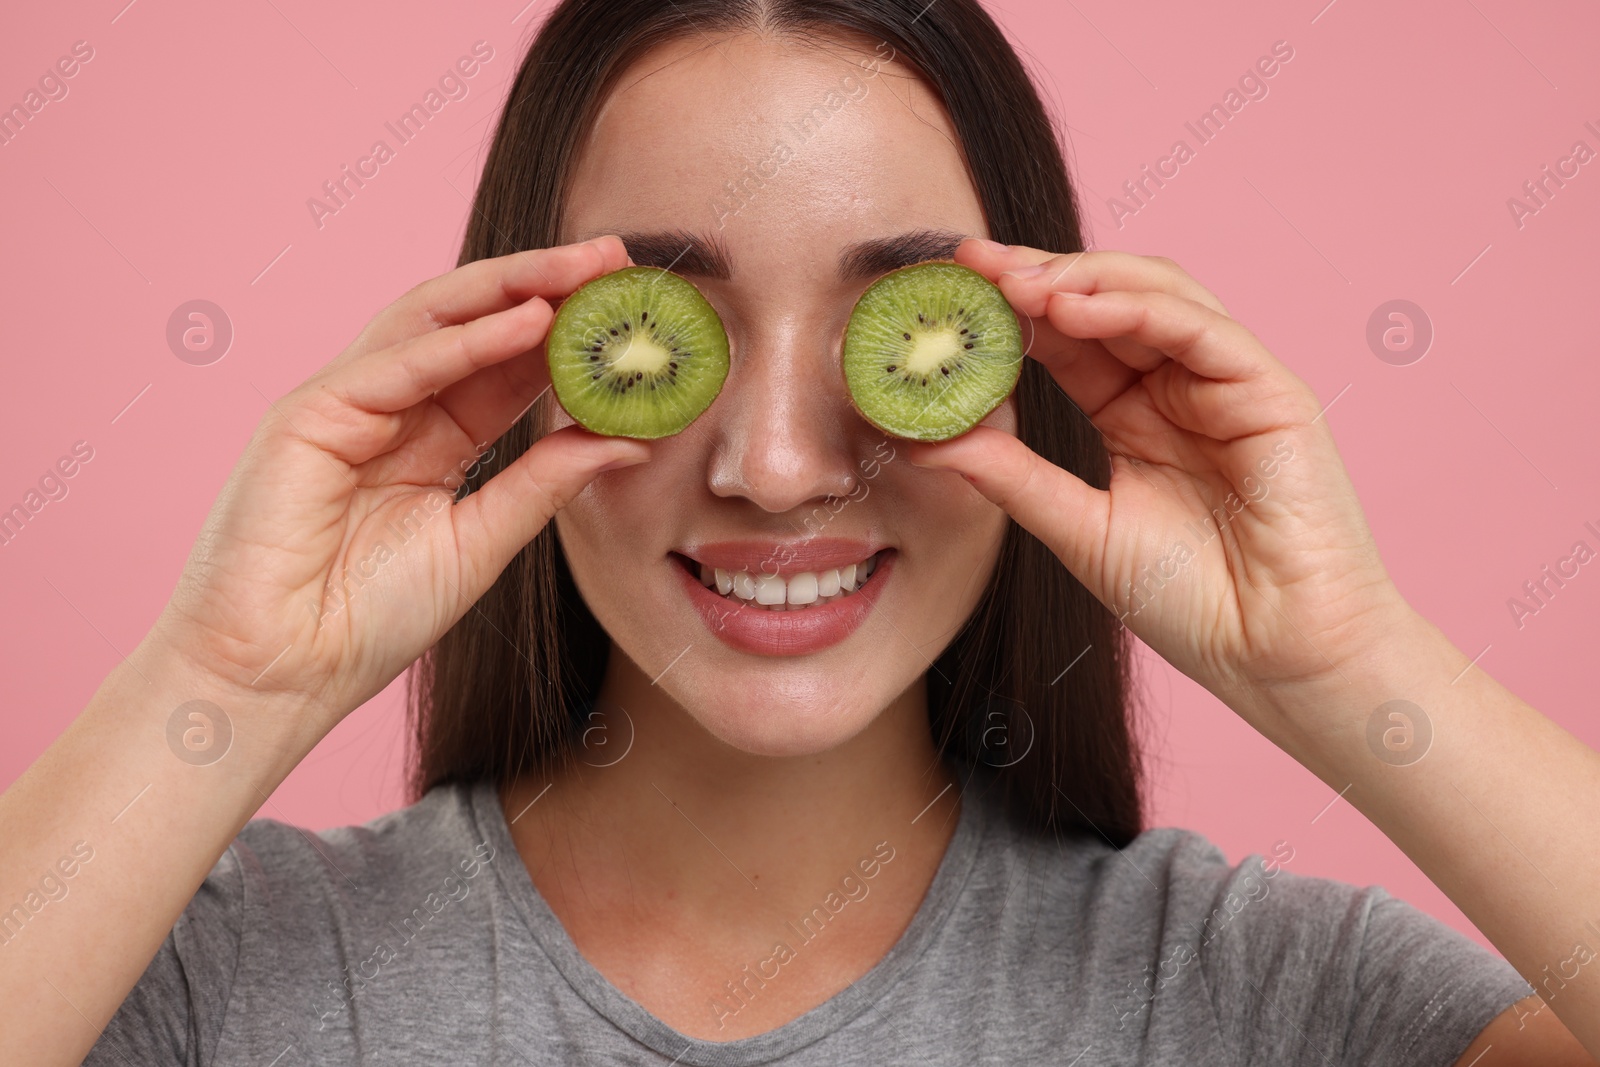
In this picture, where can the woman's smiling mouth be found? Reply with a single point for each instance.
(784, 599)
(792, 592)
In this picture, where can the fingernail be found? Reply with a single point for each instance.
(993, 246)
(1026, 272)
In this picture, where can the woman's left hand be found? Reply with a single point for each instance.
(1230, 539)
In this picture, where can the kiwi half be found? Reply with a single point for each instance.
(930, 350)
(637, 353)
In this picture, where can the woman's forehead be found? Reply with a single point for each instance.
(747, 135)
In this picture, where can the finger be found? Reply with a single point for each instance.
(397, 378)
(485, 404)
(1085, 371)
(1028, 276)
(1067, 514)
(1083, 368)
(992, 257)
(1145, 329)
(486, 286)
(513, 506)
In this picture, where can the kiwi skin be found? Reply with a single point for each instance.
(1001, 364)
(685, 355)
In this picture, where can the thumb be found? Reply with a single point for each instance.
(510, 509)
(1064, 512)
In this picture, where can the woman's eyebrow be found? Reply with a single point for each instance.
(680, 251)
(707, 256)
(866, 260)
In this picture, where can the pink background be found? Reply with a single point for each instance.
(1378, 167)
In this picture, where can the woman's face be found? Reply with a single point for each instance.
(781, 178)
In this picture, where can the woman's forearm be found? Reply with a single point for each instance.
(107, 836)
(1499, 809)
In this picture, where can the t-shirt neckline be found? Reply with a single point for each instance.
(831, 1015)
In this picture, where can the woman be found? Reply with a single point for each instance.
(901, 826)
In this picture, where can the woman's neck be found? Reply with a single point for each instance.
(687, 850)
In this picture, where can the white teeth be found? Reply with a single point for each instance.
(769, 590)
(797, 592)
(828, 582)
(803, 589)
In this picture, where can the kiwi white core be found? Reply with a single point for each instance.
(931, 349)
(642, 354)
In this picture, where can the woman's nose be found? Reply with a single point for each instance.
(784, 424)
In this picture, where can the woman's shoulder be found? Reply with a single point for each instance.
(1178, 859)
(437, 819)
(291, 924)
(1174, 929)
(1170, 882)
(428, 850)
(1172, 890)
(1161, 858)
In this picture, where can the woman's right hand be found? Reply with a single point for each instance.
(353, 473)
(335, 556)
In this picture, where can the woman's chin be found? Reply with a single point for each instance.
(763, 722)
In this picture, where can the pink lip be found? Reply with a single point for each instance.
(782, 557)
(787, 633)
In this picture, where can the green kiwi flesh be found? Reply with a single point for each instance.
(930, 350)
(637, 353)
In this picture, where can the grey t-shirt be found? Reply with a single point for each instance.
(420, 939)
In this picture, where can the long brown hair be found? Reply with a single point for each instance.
(503, 693)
